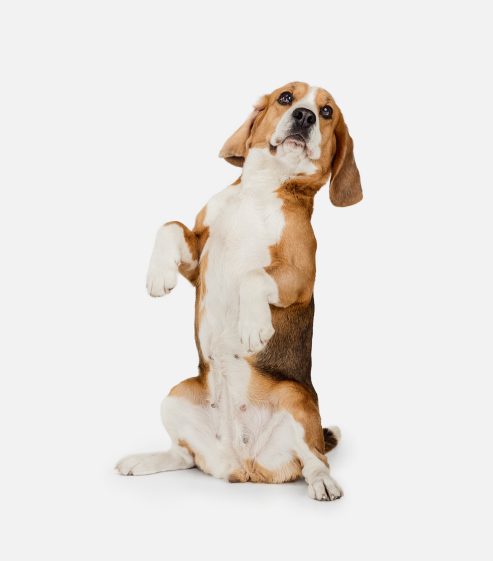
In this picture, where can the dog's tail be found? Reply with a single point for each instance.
(332, 437)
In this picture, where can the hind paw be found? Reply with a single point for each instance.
(324, 488)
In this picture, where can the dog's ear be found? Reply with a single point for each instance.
(236, 147)
(345, 185)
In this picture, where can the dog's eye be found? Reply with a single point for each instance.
(286, 98)
(326, 112)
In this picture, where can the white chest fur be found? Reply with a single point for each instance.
(244, 221)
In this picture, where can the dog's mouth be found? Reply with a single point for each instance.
(294, 142)
(296, 139)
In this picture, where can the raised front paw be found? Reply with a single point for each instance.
(255, 328)
(165, 259)
(161, 278)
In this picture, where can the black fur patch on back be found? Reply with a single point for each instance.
(288, 355)
(330, 440)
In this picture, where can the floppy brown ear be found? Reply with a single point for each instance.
(345, 185)
(236, 147)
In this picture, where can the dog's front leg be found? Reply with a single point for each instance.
(257, 291)
(175, 250)
(278, 285)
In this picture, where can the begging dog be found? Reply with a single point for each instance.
(251, 413)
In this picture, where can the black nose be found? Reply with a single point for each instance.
(304, 118)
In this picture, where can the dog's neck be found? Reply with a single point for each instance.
(267, 171)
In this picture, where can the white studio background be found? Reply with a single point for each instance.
(111, 118)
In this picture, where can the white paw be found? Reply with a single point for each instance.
(138, 464)
(255, 328)
(161, 279)
(163, 268)
(255, 320)
(324, 488)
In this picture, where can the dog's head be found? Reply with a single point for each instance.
(303, 127)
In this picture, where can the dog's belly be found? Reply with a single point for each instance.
(242, 227)
(234, 440)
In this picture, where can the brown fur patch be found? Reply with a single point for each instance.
(190, 272)
(256, 473)
(293, 257)
(193, 389)
(287, 356)
(201, 231)
(298, 400)
(345, 184)
(195, 241)
(236, 147)
(200, 290)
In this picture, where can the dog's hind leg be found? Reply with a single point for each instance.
(310, 444)
(180, 456)
(306, 438)
(193, 425)
(196, 424)
(144, 464)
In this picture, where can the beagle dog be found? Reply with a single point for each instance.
(251, 413)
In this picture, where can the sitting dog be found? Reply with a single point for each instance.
(251, 413)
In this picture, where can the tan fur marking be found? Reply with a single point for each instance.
(293, 258)
(193, 389)
(239, 475)
(256, 473)
(292, 397)
(199, 297)
(236, 147)
(201, 231)
(197, 458)
(195, 241)
(190, 272)
(345, 183)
